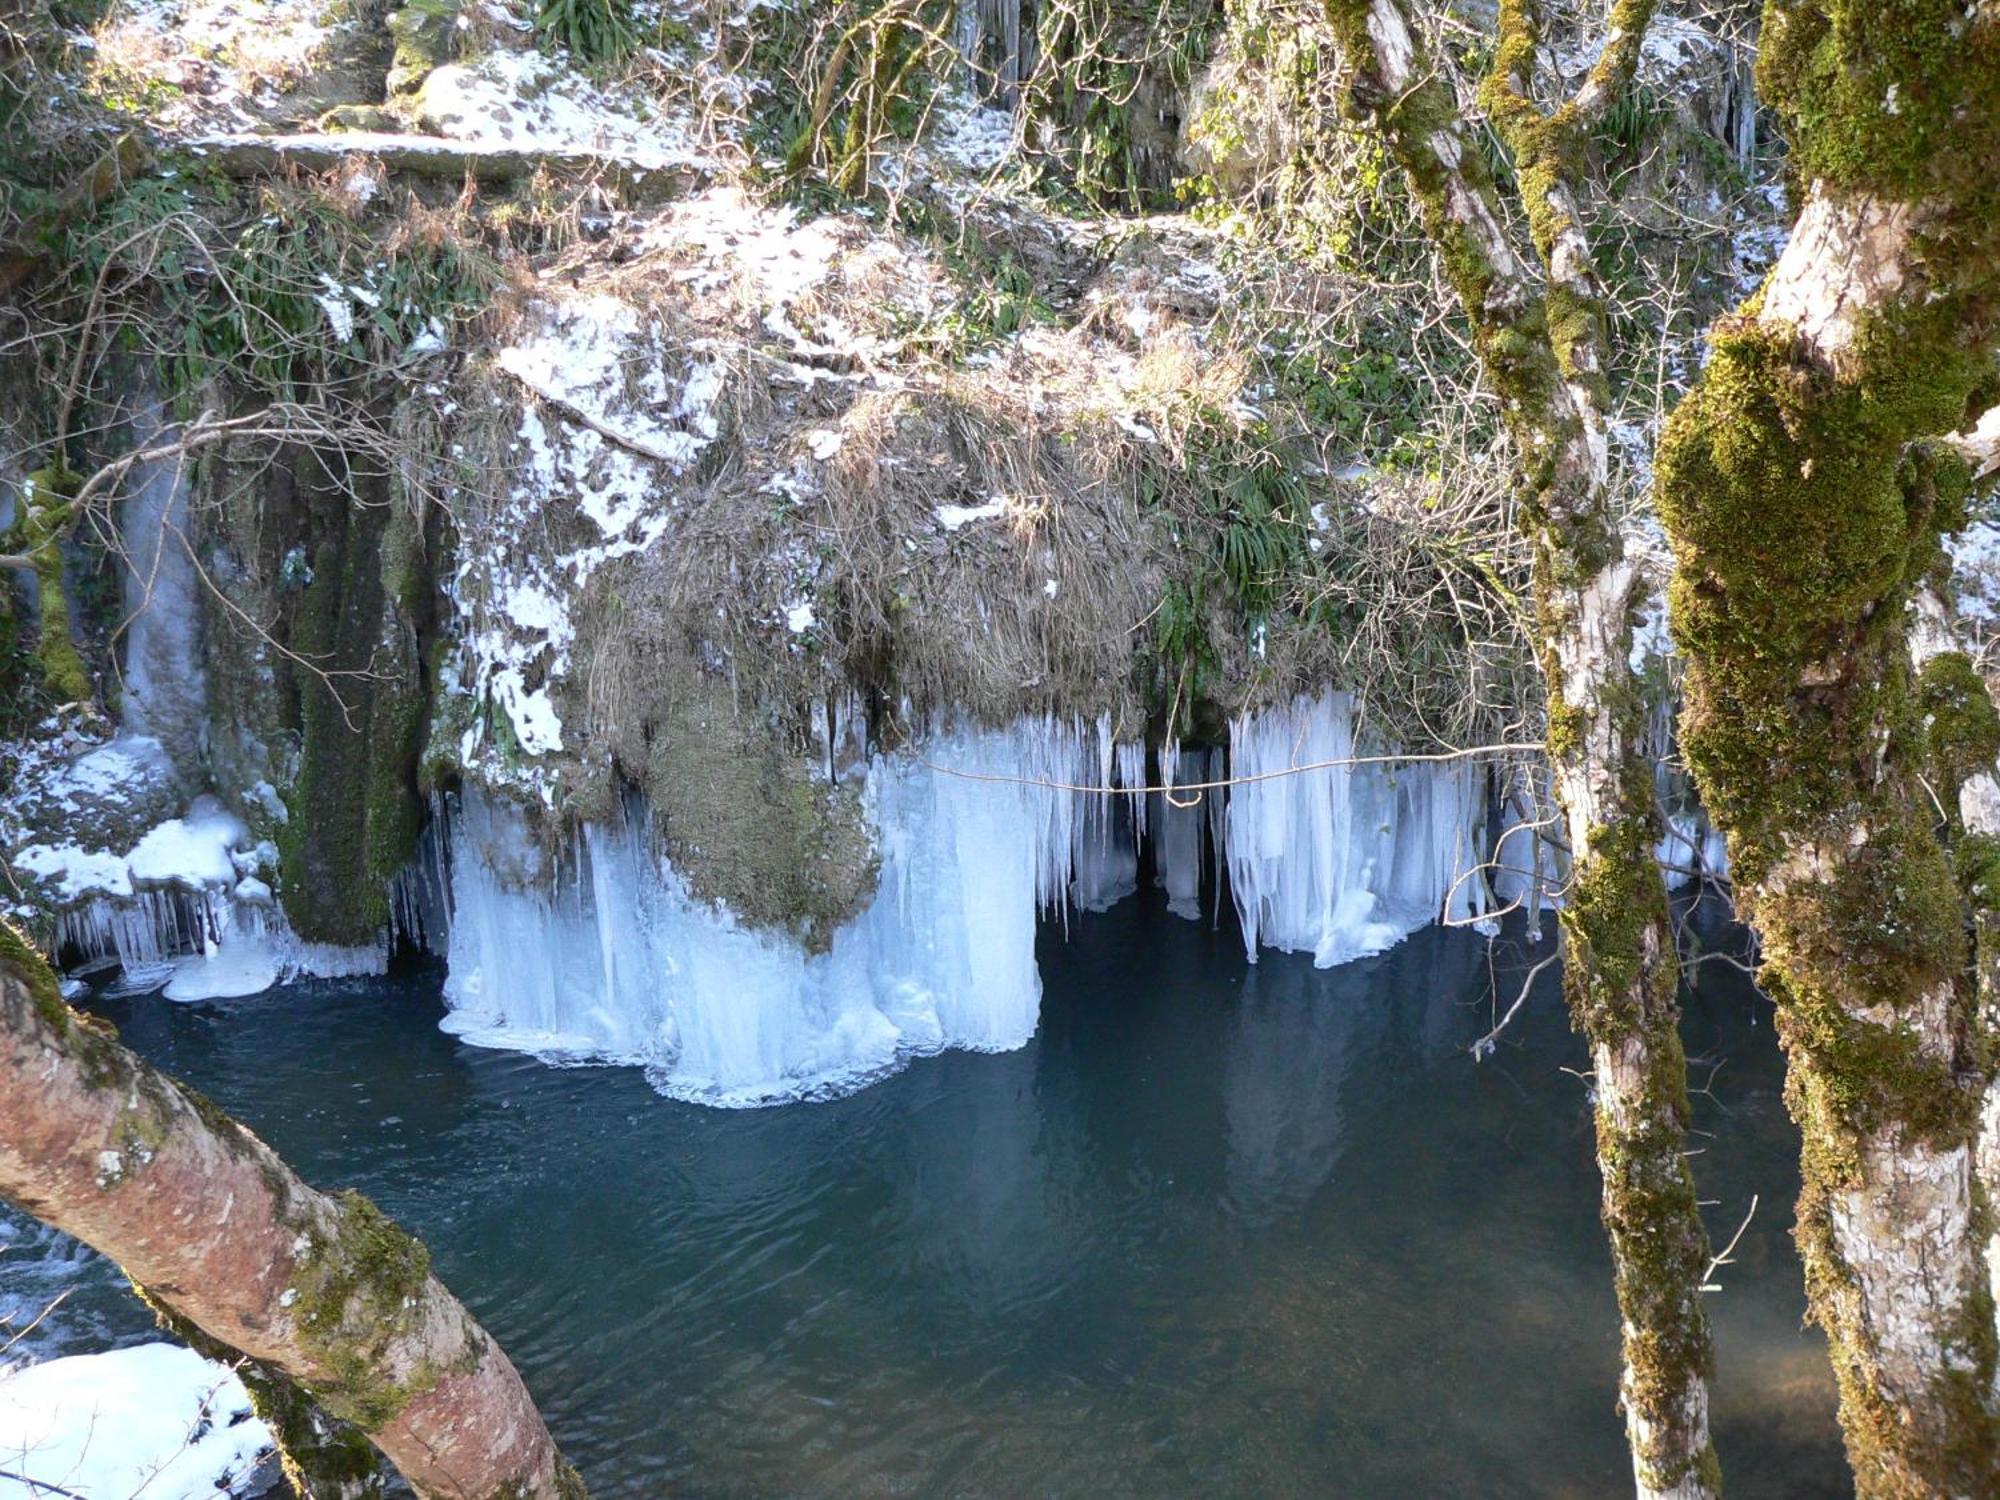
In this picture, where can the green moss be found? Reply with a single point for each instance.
(1962, 728)
(24, 961)
(355, 1289)
(749, 826)
(354, 813)
(425, 33)
(321, 1455)
(1805, 498)
(1794, 494)
(1900, 98)
(46, 517)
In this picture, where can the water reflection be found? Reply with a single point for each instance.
(1218, 1231)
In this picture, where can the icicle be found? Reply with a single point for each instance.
(1132, 773)
(1529, 871)
(1346, 860)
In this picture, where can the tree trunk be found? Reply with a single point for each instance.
(207, 1219)
(1541, 342)
(1805, 499)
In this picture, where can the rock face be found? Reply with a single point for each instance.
(710, 506)
(425, 34)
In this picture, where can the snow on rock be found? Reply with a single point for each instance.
(185, 908)
(73, 873)
(94, 795)
(952, 517)
(617, 415)
(530, 102)
(192, 852)
(218, 61)
(156, 1420)
(975, 137)
(578, 353)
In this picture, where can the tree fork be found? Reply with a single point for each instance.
(1541, 341)
(201, 1213)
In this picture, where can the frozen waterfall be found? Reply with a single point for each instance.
(604, 954)
(610, 957)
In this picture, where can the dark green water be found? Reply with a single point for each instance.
(1219, 1231)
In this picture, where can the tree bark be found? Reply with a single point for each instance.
(1805, 497)
(216, 1228)
(1541, 339)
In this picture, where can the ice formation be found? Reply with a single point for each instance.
(156, 1419)
(605, 954)
(165, 685)
(1345, 860)
(610, 957)
(185, 909)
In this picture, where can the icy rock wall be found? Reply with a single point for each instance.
(1345, 860)
(186, 910)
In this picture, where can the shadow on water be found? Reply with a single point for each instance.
(1219, 1230)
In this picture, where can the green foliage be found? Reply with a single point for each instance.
(274, 333)
(594, 31)
(234, 288)
(1632, 124)
(1184, 658)
(865, 77)
(1260, 503)
(1244, 516)
(1363, 399)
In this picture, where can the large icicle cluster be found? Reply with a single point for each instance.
(1345, 860)
(610, 957)
(604, 953)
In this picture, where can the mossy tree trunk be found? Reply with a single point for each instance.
(1805, 484)
(325, 1291)
(1540, 334)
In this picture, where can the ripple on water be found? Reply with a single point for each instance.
(1219, 1230)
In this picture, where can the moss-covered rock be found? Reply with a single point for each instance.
(46, 515)
(426, 37)
(353, 809)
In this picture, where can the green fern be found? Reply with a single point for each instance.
(593, 31)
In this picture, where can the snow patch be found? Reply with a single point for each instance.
(155, 1419)
(952, 517)
(529, 101)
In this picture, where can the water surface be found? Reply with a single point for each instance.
(1220, 1230)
